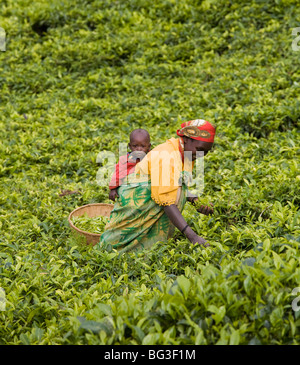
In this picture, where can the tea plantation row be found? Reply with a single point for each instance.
(75, 79)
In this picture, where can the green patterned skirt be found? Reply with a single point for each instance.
(137, 222)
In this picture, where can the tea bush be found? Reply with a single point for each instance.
(76, 78)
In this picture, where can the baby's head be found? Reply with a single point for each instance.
(139, 141)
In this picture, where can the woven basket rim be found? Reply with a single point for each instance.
(85, 206)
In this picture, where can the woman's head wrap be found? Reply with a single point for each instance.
(198, 129)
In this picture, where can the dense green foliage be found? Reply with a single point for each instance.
(76, 78)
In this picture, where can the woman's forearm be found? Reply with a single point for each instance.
(177, 219)
(179, 222)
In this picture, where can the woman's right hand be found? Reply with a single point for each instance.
(177, 219)
(197, 239)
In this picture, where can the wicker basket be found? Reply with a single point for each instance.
(91, 210)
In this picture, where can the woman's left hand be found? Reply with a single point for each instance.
(205, 209)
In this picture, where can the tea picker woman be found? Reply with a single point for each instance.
(150, 203)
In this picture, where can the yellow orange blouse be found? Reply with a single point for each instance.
(163, 166)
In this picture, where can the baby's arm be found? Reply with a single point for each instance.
(113, 194)
(114, 184)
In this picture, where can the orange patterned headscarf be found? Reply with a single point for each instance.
(198, 129)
